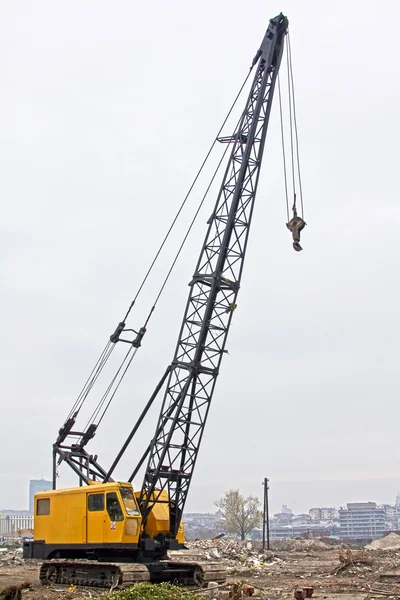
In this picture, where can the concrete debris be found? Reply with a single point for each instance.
(232, 552)
(389, 542)
(212, 589)
(390, 577)
(301, 545)
(249, 556)
(11, 558)
(354, 562)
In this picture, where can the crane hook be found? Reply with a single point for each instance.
(296, 225)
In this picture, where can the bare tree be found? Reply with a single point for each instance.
(240, 515)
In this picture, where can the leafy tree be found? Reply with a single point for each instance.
(240, 515)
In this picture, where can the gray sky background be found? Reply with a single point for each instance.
(107, 110)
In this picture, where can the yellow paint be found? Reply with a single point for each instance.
(76, 518)
(158, 519)
(71, 522)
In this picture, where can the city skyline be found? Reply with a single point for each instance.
(381, 494)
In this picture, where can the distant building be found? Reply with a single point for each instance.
(13, 523)
(398, 510)
(390, 511)
(20, 522)
(323, 514)
(390, 516)
(35, 486)
(283, 532)
(3, 523)
(285, 517)
(362, 520)
(301, 520)
(202, 525)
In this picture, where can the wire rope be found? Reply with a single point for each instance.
(291, 127)
(295, 127)
(102, 361)
(283, 149)
(106, 353)
(185, 199)
(91, 379)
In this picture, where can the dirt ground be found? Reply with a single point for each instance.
(285, 572)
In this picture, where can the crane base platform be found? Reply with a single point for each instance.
(122, 575)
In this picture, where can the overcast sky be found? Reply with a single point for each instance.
(107, 110)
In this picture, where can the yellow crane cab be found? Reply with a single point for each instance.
(99, 520)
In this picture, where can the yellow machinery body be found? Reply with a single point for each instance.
(101, 513)
(96, 534)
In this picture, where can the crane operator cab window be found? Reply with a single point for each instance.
(129, 501)
(95, 502)
(113, 507)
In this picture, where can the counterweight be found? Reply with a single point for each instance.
(212, 297)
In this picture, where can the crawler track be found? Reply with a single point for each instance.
(122, 575)
(92, 573)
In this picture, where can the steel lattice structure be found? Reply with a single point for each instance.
(192, 375)
(212, 297)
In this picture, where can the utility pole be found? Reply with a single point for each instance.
(265, 514)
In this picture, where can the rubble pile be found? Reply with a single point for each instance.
(301, 545)
(353, 563)
(389, 542)
(247, 552)
(233, 552)
(11, 558)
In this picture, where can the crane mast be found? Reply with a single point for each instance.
(212, 297)
(191, 376)
(126, 533)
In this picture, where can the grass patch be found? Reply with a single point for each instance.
(150, 591)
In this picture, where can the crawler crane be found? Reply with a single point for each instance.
(103, 532)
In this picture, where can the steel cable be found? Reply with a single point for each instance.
(283, 149)
(102, 361)
(185, 199)
(295, 126)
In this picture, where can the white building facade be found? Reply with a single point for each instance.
(14, 523)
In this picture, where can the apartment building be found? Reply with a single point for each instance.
(12, 523)
(362, 520)
(323, 514)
